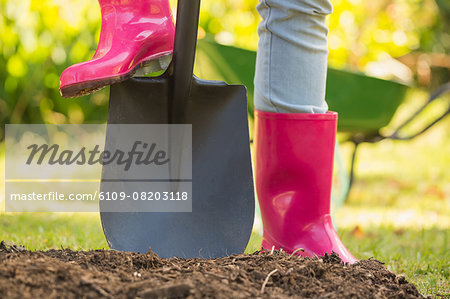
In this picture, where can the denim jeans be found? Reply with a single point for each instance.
(292, 55)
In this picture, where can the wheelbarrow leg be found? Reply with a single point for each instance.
(352, 166)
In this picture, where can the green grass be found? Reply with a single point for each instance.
(398, 211)
(39, 231)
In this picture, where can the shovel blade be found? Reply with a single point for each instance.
(222, 214)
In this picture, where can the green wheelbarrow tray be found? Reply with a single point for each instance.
(365, 104)
(359, 111)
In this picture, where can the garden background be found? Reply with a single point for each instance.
(398, 210)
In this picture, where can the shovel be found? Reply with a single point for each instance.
(222, 214)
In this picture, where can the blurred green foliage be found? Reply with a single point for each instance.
(39, 38)
(365, 31)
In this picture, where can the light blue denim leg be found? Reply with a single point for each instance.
(291, 63)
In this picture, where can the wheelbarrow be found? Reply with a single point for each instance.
(361, 121)
(365, 105)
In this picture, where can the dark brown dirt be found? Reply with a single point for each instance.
(107, 273)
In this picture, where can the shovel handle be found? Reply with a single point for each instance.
(183, 57)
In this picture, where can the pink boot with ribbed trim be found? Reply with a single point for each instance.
(136, 35)
(293, 170)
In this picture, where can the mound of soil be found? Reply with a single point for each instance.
(107, 273)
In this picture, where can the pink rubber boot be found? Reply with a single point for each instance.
(135, 35)
(294, 168)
